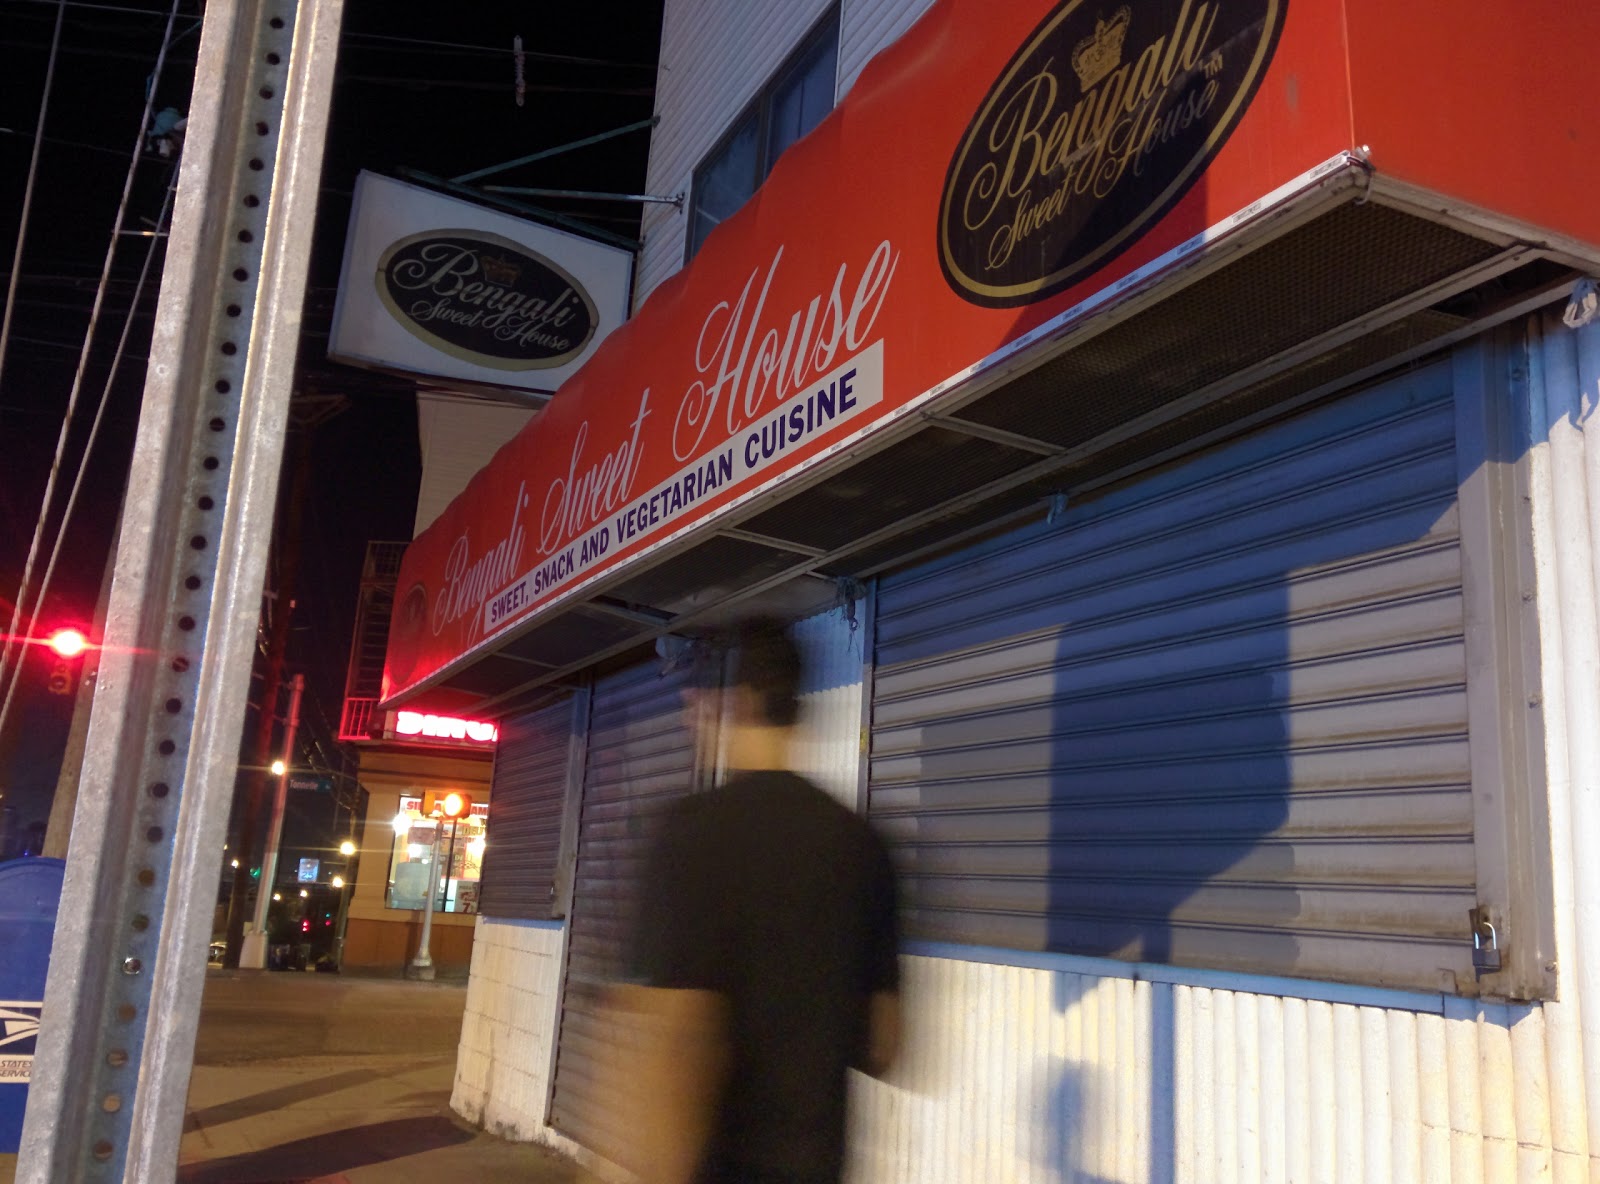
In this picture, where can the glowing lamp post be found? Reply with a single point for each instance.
(451, 806)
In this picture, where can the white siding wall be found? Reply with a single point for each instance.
(1565, 390)
(458, 437)
(866, 27)
(1082, 1070)
(715, 56)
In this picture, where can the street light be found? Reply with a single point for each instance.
(451, 806)
(278, 768)
(235, 863)
(277, 896)
(337, 882)
(304, 894)
(347, 848)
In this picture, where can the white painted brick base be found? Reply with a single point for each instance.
(502, 1071)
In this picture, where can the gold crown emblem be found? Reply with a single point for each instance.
(1098, 54)
(499, 271)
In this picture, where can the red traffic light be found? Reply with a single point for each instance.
(68, 643)
(305, 925)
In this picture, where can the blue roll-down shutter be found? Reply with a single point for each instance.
(1215, 717)
(640, 756)
(526, 801)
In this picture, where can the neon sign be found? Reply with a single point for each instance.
(444, 727)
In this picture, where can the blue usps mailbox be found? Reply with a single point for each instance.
(30, 893)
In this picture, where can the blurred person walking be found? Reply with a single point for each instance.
(765, 954)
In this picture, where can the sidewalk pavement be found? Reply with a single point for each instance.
(339, 1120)
(312, 1078)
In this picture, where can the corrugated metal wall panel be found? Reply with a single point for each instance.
(1216, 718)
(866, 27)
(715, 56)
(640, 756)
(1062, 1075)
(458, 437)
(1563, 378)
(526, 802)
(827, 745)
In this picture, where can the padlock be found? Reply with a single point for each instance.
(1485, 958)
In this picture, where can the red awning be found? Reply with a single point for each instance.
(1036, 244)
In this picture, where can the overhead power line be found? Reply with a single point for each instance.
(77, 386)
(118, 152)
(397, 43)
(531, 54)
(27, 208)
(99, 7)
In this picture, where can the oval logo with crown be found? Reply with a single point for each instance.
(1098, 125)
(486, 300)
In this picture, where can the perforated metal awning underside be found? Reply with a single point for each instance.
(1351, 282)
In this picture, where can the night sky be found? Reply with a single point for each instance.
(422, 85)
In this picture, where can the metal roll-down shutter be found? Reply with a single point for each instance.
(640, 756)
(526, 802)
(1216, 717)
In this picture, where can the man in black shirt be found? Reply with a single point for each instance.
(766, 954)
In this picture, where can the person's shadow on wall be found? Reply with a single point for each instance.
(1196, 631)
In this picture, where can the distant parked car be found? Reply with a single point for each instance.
(218, 949)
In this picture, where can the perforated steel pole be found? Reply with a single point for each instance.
(116, 1043)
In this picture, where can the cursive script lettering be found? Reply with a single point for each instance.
(1046, 156)
(470, 580)
(747, 364)
(442, 270)
(590, 491)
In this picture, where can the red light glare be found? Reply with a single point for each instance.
(68, 643)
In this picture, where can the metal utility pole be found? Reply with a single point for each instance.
(254, 955)
(116, 1043)
(277, 648)
(351, 863)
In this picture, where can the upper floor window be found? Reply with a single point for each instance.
(790, 105)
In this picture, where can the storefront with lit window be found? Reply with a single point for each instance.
(405, 843)
(1183, 404)
(454, 846)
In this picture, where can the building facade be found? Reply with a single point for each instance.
(405, 762)
(384, 924)
(1170, 442)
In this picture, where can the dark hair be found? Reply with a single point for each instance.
(766, 660)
